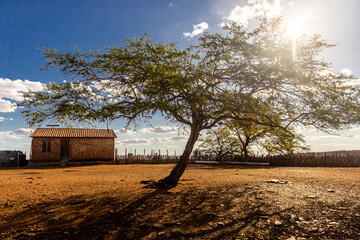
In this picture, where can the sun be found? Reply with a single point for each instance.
(296, 26)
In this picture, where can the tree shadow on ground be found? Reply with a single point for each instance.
(227, 212)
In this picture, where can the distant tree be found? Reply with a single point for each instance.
(248, 134)
(284, 142)
(238, 138)
(220, 142)
(250, 76)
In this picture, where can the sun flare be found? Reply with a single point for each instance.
(296, 26)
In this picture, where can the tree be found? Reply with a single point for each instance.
(133, 81)
(284, 142)
(249, 76)
(248, 134)
(234, 138)
(221, 142)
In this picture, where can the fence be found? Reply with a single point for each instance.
(229, 158)
(323, 159)
(146, 159)
(317, 160)
(320, 159)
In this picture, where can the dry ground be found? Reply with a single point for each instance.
(211, 202)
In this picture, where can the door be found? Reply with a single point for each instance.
(65, 147)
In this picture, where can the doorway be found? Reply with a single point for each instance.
(65, 147)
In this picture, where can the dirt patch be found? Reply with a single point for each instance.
(211, 202)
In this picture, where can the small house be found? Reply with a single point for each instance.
(71, 145)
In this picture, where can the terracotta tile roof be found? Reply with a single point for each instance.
(73, 133)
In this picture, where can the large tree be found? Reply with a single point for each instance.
(133, 81)
(250, 76)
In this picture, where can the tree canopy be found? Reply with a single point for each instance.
(250, 76)
(221, 142)
(240, 138)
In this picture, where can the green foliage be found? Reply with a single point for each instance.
(248, 134)
(247, 76)
(240, 138)
(263, 83)
(284, 142)
(220, 142)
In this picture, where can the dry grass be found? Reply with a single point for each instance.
(211, 202)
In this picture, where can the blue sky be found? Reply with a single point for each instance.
(89, 24)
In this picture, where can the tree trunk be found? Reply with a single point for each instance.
(245, 149)
(173, 179)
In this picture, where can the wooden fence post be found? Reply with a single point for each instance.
(130, 158)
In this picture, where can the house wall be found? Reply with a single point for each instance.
(81, 149)
(36, 150)
(92, 149)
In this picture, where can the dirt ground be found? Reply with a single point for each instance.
(211, 202)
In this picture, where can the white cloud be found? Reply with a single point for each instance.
(330, 137)
(160, 130)
(223, 24)
(178, 138)
(124, 131)
(255, 8)
(352, 82)
(6, 106)
(20, 133)
(134, 141)
(12, 89)
(2, 119)
(168, 146)
(199, 28)
(335, 146)
(241, 15)
(148, 141)
(346, 71)
(326, 72)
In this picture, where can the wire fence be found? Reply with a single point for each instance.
(146, 159)
(344, 159)
(320, 159)
(133, 157)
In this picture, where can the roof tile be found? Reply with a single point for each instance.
(73, 133)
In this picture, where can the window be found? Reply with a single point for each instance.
(46, 146)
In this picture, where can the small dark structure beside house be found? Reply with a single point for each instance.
(55, 145)
(11, 158)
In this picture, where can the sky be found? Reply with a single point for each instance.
(91, 25)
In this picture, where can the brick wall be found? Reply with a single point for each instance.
(92, 149)
(36, 150)
(81, 149)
